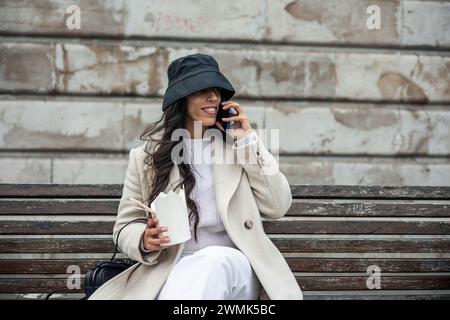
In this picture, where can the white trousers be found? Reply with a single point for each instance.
(211, 273)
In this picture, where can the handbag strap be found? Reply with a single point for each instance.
(116, 247)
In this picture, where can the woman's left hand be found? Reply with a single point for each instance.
(241, 126)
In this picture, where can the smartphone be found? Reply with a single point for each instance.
(224, 114)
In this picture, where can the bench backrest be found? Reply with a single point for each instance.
(336, 239)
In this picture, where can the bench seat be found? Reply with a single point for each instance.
(330, 237)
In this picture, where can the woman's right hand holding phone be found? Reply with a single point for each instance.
(152, 241)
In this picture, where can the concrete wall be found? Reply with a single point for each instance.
(353, 105)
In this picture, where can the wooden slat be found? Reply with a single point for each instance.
(59, 266)
(284, 244)
(370, 192)
(100, 245)
(348, 244)
(367, 208)
(56, 227)
(327, 283)
(46, 266)
(361, 265)
(60, 206)
(38, 285)
(298, 191)
(285, 226)
(299, 207)
(61, 190)
(307, 283)
(41, 296)
(348, 226)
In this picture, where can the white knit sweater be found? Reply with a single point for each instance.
(210, 229)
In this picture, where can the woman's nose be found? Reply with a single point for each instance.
(214, 94)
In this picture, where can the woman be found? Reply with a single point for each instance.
(228, 256)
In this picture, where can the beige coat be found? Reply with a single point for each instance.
(243, 196)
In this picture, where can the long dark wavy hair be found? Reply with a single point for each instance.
(159, 156)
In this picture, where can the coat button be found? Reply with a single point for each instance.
(248, 224)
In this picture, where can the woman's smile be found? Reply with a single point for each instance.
(210, 110)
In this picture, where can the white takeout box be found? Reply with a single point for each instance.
(172, 212)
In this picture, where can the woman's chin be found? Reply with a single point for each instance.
(208, 122)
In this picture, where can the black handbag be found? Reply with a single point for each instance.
(105, 271)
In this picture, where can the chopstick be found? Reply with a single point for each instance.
(143, 206)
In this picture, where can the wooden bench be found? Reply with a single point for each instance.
(330, 237)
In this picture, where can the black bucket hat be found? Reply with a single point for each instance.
(192, 73)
